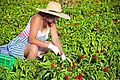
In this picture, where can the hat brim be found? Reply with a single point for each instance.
(54, 13)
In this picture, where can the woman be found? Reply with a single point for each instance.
(31, 42)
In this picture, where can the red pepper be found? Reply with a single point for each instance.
(71, 59)
(106, 69)
(74, 65)
(52, 65)
(66, 77)
(69, 69)
(95, 57)
(77, 77)
(66, 52)
(80, 76)
(59, 66)
(76, 25)
(81, 57)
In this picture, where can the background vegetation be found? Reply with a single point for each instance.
(90, 40)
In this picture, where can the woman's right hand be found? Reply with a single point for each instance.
(54, 48)
(63, 56)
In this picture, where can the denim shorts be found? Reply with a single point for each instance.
(17, 45)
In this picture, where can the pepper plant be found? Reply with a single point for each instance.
(90, 41)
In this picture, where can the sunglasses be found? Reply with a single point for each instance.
(52, 16)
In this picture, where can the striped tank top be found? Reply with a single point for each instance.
(26, 32)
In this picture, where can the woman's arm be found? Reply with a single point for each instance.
(55, 38)
(35, 24)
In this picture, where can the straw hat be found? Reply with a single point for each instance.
(54, 8)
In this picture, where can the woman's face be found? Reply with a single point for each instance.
(51, 19)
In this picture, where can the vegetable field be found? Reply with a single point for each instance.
(90, 40)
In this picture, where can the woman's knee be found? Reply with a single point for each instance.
(33, 48)
(30, 48)
(31, 56)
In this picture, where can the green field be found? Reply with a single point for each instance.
(90, 40)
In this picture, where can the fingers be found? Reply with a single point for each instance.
(56, 51)
(63, 56)
(53, 48)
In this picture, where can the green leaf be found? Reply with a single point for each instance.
(71, 63)
(54, 79)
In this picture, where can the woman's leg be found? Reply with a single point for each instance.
(42, 51)
(31, 51)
